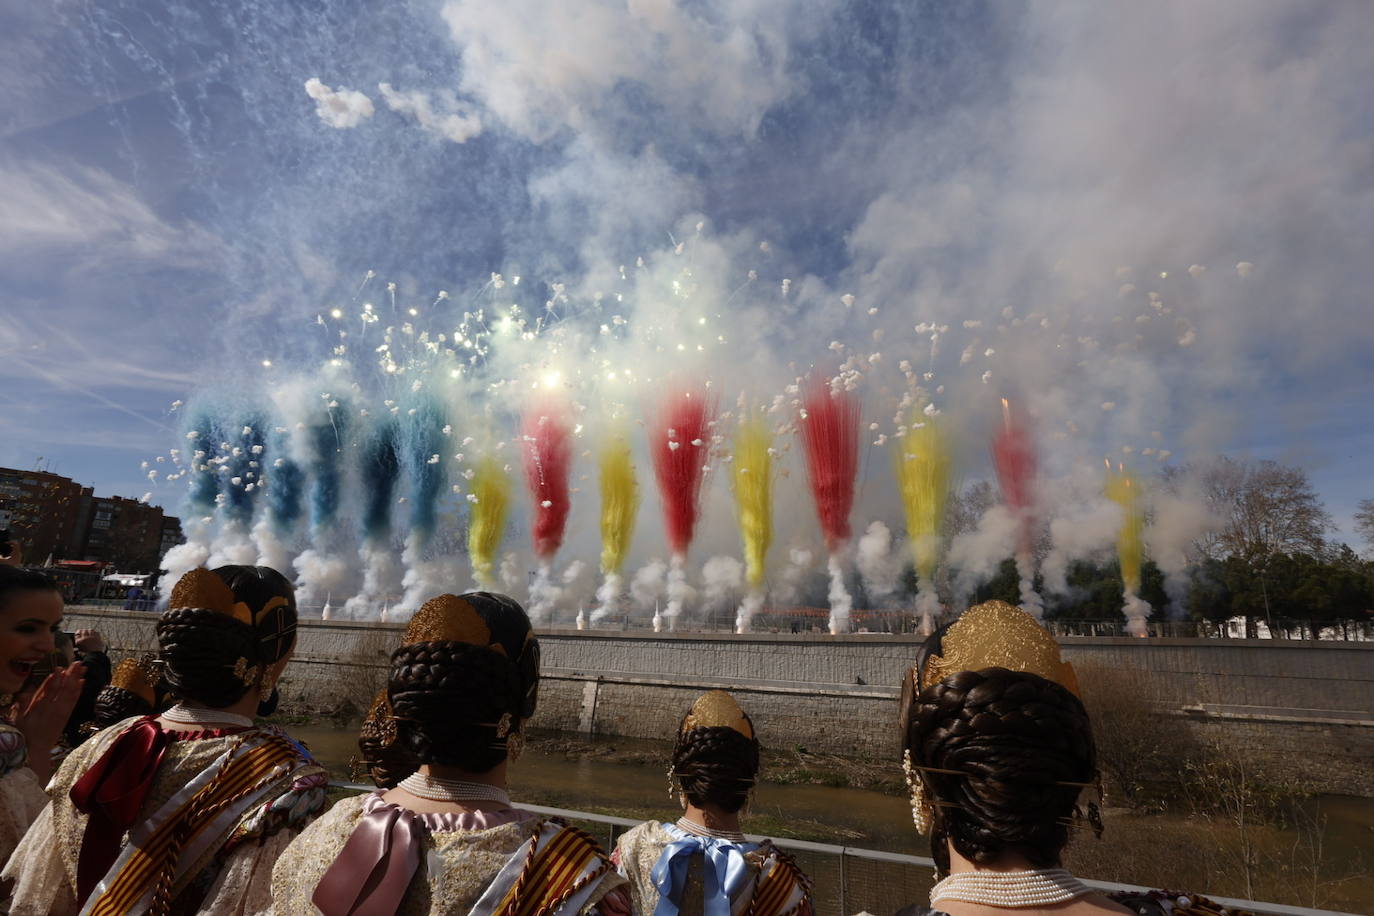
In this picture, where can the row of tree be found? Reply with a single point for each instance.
(1289, 591)
(1266, 554)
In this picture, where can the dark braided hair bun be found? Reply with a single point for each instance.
(201, 648)
(1018, 737)
(451, 699)
(115, 704)
(716, 765)
(382, 757)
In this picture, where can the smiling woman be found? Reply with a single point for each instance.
(30, 614)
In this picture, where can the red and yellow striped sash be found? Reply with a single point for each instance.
(777, 887)
(140, 870)
(553, 872)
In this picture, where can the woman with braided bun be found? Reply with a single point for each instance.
(445, 839)
(997, 750)
(187, 810)
(30, 726)
(136, 689)
(703, 864)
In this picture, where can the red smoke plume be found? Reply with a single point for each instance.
(548, 462)
(830, 432)
(679, 442)
(1013, 454)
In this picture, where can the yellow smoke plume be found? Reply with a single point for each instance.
(923, 466)
(1124, 490)
(619, 503)
(753, 486)
(490, 488)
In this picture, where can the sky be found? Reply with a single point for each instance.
(1150, 223)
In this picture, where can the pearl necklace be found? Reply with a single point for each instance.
(435, 788)
(692, 827)
(1030, 887)
(199, 715)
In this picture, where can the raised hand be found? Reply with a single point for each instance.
(43, 716)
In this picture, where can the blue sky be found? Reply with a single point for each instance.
(177, 208)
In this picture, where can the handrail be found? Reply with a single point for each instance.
(878, 855)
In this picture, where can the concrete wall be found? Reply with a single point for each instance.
(838, 694)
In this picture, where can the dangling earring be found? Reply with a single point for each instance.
(921, 808)
(1095, 808)
(515, 745)
(672, 782)
(268, 705)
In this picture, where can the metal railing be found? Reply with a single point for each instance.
(850, 879)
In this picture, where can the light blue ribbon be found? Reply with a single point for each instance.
(725, 873)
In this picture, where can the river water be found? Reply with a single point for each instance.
(860, 818)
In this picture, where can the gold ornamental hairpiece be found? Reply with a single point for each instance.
(717, 709)
(450, 618)
(138, 676)
(995, 634)
(201, 588)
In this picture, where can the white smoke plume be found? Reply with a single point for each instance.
(544, 595)
(183, 558)
(976, 554)
(748, 608)
(841, 602)
(381, 583)
(647, 585)
(341, 108)
(424, 578)
(272, 553)
(1031, 602)
(440, 114)
(793, 579)
(578, 588)
(680, 592)
(511, 573)
(1177, 523)
(722, 578)
(608, 596)
(1137, 612)
(321, 574)
(879, 567)
(233, 546)
(928, 607)
(1091, 531)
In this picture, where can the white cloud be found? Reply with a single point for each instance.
(717, 66)
(441, 114)
(65, 205)
(338, 107)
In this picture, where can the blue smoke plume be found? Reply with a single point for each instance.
(246, 451)
(326, 442)
(200, 449)
(285, 486)
(379, 468)
(422, 446)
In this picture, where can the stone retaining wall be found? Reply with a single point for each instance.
(838, 694)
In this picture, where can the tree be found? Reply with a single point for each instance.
(1364, 521)
(1266, 508)
(965, 507)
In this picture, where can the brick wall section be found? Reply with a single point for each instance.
(838, 694)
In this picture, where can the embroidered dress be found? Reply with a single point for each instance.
(21, 794)
(675, 873)
(224, 802)
(367, 856)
